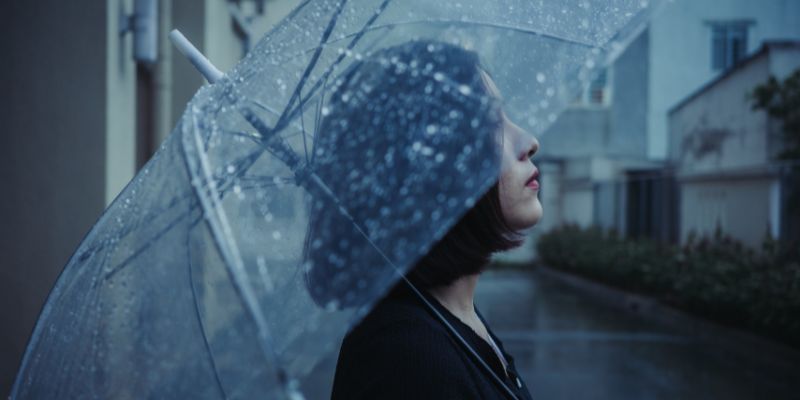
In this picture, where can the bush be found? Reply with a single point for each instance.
(716, 277)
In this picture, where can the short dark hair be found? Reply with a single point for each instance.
(377, 119)
(467, 248)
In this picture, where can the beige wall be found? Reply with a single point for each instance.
(718, 130)
(742, 208)
(725, 154)
(52, 152)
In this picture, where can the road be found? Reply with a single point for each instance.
(568, 345)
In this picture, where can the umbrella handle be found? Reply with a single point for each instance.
(209, 71)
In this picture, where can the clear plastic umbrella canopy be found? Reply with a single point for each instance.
(297, 190)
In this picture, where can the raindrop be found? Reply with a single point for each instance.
(438, 76)
(237, 189)
(326, 111)
(465, 90)
(276, 235)
(439, 157)
(230, 168)
(332, 305)
(540, 77)
(431, 129)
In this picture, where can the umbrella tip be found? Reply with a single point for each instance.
(209, 71)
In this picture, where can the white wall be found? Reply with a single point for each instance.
(680, 50)
(723, 151)
(742, 208)
(717, 130)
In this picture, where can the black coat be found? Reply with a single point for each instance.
(401, 351)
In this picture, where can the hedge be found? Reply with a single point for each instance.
(715, 277)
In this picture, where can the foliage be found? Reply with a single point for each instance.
(781, 100)
(716, 277)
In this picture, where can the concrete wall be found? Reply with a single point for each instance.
(578, 131)
(741, 207)
(679, 66)
(724, 153)
(53, 151)
(717, 129)
(628, 108)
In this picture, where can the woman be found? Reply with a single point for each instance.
(400, 350)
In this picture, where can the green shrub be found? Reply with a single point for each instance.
(716, 277)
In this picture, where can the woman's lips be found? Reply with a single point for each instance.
(532, 182)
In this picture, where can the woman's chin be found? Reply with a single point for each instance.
(529, 217)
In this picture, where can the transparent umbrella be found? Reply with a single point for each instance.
(299, 188)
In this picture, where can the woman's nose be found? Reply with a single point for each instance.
(532, 145)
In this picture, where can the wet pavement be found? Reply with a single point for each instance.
(568, 345)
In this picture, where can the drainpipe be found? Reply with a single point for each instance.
(162, 77)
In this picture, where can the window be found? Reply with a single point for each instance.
(598, 92)
(728, 43)
(598, 89)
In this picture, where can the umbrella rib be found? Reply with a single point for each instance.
(311, 64)
(266, 133)
(207, 345)
(152, 240)
(305, 145)
(473, 23)
(356, 38)
(318, 117)
(455, 22)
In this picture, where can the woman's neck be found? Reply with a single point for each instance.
(458, 297)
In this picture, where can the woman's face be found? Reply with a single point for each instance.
(519, 184)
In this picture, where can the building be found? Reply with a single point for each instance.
(724, 153)
(607, 154)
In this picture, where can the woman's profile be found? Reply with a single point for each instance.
(400, 350)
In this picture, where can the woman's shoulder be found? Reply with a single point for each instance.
(397, 321)
(400, 351)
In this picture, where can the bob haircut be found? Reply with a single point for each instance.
(360, 122)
